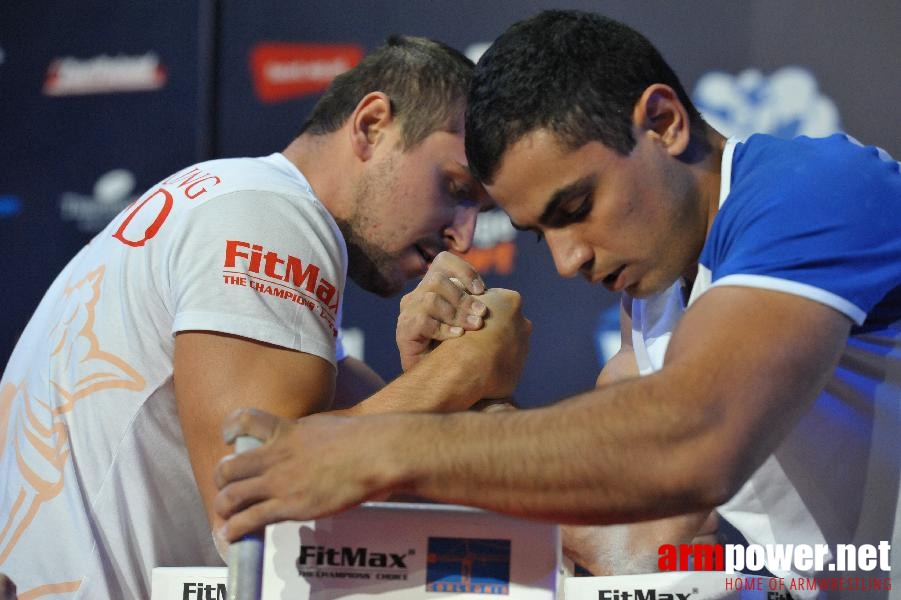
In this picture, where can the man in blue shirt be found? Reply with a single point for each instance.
(761, 286)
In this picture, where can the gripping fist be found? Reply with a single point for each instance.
(442, 307)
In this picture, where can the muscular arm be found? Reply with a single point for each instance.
(459, 372)
(633, 547)
(742, 367)
(441, 307)
(217, 373)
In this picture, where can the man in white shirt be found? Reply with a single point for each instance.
(221, 287)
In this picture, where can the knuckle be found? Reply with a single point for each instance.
(442, 257)
(431, 279)
(245, 417)
(223, 472)
(432, 299)
(226, 498)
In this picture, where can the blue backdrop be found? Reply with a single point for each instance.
(98, 100)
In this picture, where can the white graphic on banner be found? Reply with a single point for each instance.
(492, 228)
(71, 76)
(787, 103)
(112, 193)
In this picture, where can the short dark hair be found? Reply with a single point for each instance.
(574, 73)
(425, 80)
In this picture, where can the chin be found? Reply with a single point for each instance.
(377, 283)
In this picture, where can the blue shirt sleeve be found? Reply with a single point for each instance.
(819, 218)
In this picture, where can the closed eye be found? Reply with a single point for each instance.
(573, 210)
(469, 194)
(570, 203)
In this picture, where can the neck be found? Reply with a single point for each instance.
(707, 151)
(319, 158)
(705, 158)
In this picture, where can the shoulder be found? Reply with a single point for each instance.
(806, 163)
(827, 182)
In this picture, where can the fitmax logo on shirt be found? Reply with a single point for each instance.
(257, 259)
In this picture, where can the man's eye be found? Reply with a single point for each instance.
(462, 194)
(571, 211)
(575, 208)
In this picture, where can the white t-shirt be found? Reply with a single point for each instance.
(97, 487)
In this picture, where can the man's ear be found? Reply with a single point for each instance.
(660, 113)
(369, 121)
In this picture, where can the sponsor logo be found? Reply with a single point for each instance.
(642, 594)
(786, 103)
(468, 566)
(493, 247)
(282, 71)
(203, 591)
(351, 562)
(92, 212)
(266, 272)
(104, 74)
(347, 556)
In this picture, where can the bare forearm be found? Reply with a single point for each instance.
(447, 381)
(611, 455)
(681, 440)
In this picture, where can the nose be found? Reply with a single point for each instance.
(458, 235)
(568, 253)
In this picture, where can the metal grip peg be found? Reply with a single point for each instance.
(245, 556)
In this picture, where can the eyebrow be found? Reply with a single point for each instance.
(576, 188)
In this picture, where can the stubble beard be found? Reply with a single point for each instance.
(369, 265)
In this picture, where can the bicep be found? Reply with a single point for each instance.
(753, 360)
(217, 373)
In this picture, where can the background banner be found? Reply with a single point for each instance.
(100, 99)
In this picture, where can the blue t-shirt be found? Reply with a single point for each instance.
(821, 218)
(816, 217)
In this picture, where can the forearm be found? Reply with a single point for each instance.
(577, 462)
(681, 440)
(450, 380)
(355, 382)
